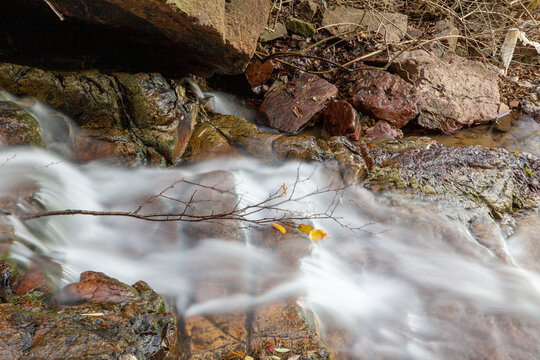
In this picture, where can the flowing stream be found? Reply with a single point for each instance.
(400, 281)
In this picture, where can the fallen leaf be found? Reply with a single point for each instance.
(317, 235)
(271, 348)
(297, 112)
(279, 227)
(305, 228)
(248, 358)
(282, 350)
(274, 357)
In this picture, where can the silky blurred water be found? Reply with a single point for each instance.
(390, 282)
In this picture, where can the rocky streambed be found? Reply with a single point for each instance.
(401, 133)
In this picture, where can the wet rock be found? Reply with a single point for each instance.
(387, 97)
(382, 129)
(116, 147)
(444, 28)
(392, 26)
(350, 161)
(300, 27)
(17, 126)
(207, 143)
(496, 181)
(137, 328)
(199, 35)
(157, 112)
(34, 279)
(308, 9)
(161, 115)
(341, 119)
(301, 148)
(459, 92)
(277, 32)
(286, 325)
(290, 106)
(91, 98)
(95, 287)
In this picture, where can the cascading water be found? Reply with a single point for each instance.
(409, 285)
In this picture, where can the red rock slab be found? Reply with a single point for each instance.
(341, 119)
(385, 96)
(289, 107)
(382, 129)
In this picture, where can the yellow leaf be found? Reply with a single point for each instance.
(279, 227)
(317, 235)
(305, 228)
(284, 189)
(248, 358)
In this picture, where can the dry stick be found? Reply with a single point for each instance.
(60, 16)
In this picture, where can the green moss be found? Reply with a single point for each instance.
(301, 27)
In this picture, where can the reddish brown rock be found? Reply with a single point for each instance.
(32, 279)
(382, 129)
(341, 119)
(95, 287)
(457, 92)
(386, 97)
(291, 106)
(137, 328)
(258, 74)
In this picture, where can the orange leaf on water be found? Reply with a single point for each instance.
(317, 235)
(305, 228)
(279, 227)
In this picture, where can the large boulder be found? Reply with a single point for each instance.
(198, 35)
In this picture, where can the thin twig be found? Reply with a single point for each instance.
(60, 16)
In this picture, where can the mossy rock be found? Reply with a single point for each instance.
(300, 27)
